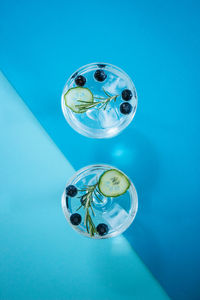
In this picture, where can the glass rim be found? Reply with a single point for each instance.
(130, 218)
(110, 132)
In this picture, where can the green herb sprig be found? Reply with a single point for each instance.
(104, 101)
(87, 203)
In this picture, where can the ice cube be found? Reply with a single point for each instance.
(116, 216)
(93, 114)
(93, 180)
(108, 117)
(114, 86)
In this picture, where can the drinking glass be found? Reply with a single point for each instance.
(100, 201)
(99, 100)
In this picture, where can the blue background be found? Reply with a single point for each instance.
(157, 43)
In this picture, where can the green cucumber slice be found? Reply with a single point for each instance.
(113, 183)
(74, 95)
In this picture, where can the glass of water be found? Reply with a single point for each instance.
(100, 201)
(99, 100)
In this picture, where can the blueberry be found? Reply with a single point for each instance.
(100, 75)
(71, 190)
(67, 202)
(74, 75)
(126, 108)
(102, 229)
(75, 219)
(126, 95)
(80, 80)
(101, 66)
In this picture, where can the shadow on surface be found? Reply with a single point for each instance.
(133, 153)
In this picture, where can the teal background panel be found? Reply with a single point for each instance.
(41, 256)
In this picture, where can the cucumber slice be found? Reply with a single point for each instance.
(113, 183)
(74, 95)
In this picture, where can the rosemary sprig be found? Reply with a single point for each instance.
(87, 203)
(104, 101)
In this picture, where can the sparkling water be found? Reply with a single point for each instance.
(116, 212)
(100, 123)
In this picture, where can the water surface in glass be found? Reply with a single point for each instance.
(96, 122)
(117, 213)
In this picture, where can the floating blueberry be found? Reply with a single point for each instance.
(100, 75)
(74, 75)
(80, 80)
(67, 202)
(102, 229)
(127, 95)
(101, 66)
(71, 190)
(126, 108)
(75, 219)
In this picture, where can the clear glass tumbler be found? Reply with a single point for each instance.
(99, 100)
(100, 201)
